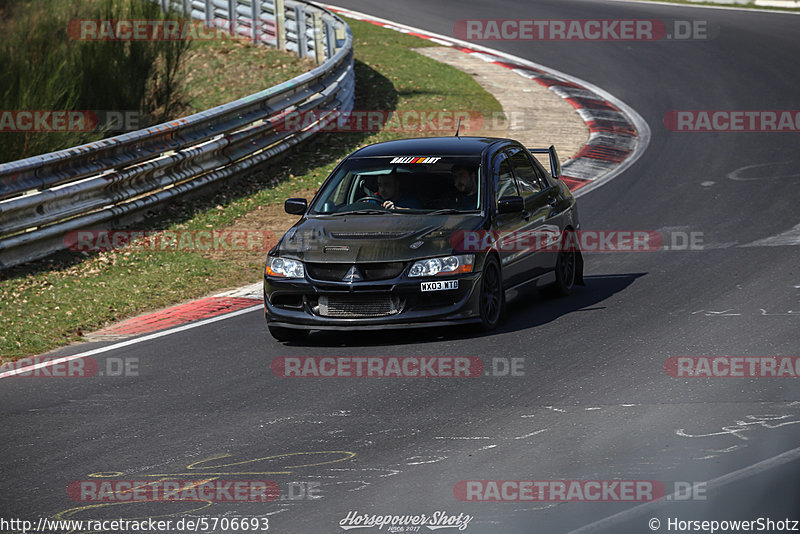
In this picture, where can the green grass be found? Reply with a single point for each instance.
(216, 72)
(54, 302)
(45, 67)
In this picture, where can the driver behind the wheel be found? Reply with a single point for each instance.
(389, 191)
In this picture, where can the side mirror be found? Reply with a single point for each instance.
(295, 206)
(510, 204)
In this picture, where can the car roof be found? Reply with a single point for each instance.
(433, 146)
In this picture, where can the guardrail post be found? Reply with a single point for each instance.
(164, 5)
(209, 14)
(330, 38)
(255, 18)
(280, 24)
(319, 53)
(232, 16)
(187, 8)
(302, 41)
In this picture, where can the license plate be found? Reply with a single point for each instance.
(439, 285)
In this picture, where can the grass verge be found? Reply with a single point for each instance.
(54, 302)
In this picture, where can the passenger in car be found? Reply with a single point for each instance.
(465, 180)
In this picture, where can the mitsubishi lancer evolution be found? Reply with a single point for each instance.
(423, 232)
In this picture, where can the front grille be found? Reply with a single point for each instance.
(353, 306)
(328, 271)
(335, 272)
(381, 271)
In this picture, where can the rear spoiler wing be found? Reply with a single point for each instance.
(555, 165)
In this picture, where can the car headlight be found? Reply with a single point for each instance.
(285, 268)
(446, 265)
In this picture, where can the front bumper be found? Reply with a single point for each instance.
(296, 303)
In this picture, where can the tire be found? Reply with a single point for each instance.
(492, 297)
(287, 334)
(566, 266)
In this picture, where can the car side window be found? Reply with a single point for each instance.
(541, 173)
(339, 195)
(504, 179)
(528, 178)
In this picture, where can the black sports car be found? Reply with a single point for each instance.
(423, 232)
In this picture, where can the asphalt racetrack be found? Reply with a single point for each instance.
(593, 401)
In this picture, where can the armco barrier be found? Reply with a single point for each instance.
(44, 197)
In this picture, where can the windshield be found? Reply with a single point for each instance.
(403, 184)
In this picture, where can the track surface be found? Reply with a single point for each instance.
(595, 402)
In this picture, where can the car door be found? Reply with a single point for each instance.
(507, 226)
(541, 232)
(559, 212)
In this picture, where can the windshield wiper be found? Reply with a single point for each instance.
(446, 211)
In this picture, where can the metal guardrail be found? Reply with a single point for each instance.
(118, 179)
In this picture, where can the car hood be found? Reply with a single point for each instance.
(369, 238)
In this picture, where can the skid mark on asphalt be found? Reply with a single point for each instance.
(526, 436)
(763, 312)
(715, 453)
(419, 460)
(767, 171)
(712, 313)
(749, 422)
(461, 437)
